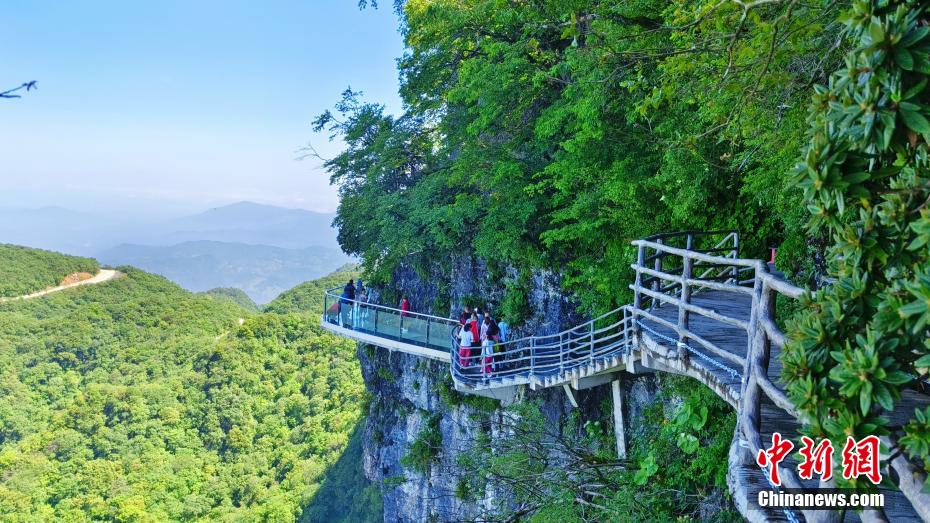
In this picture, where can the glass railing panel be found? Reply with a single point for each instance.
(388, 324)
(440, 334)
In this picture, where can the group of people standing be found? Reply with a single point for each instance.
(480, 334)
(479, 338)
(350, 306)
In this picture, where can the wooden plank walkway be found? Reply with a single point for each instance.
(751, 478)
(690, 317)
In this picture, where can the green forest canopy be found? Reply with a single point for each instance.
(24, 270)
(548, 135)
(135, 400)
(551, 134)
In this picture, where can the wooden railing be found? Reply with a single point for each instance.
(670, 270)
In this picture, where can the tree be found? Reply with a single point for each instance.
(862, 340)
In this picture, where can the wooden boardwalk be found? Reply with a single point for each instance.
(699, 311)
(748, 479)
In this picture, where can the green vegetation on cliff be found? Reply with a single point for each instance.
(675, 468)
(24, 270)
(135, 400)
(548, 135)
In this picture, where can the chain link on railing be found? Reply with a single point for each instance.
(732, 372)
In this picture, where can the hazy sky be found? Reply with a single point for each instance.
(175, 106)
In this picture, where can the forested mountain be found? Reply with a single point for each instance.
(236, 295)
(262, 271)
(24, 270)
(308, 296)
(135, 400)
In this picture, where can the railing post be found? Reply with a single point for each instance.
(657, 265)
(561, 361)
(376, 320)
(637, 297)
(532, 354)
(683, 313)
(427, 330)
(591, 359)
(734, 271)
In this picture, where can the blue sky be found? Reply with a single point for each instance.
(176, 106)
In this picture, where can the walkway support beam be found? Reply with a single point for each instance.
(617, 391)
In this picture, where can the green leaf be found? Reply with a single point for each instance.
(915, 121)
(903, 57)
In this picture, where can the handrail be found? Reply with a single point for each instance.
(582, 350)
(370, 305)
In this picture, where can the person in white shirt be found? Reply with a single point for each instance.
(466, 338)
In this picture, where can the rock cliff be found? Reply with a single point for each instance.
(418, 426)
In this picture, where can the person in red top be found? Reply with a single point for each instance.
(404, 307)
(404, 312)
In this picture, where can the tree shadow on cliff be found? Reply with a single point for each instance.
(346, 494)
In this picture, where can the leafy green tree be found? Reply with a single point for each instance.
(864, 339)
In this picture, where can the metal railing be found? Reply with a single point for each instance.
(416, 328)
(546, 356)
(670, 270)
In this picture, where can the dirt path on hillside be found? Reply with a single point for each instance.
(100, 277)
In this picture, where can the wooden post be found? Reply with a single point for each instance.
(657, 265)
(618, 419)
(637, 297)
(683, 313)
(735, 270)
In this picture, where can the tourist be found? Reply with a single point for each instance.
(475, 328)
(347, 303)
(466, 339)
(345, 309)
(404, 307)
(465, 316)
(480, 314)
(493, 334)
(361, 310)
(487, 345)
(503, 333)
(404, 312)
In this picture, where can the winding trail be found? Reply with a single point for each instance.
(102, 276)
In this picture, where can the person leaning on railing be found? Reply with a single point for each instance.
(466, 338)
(345, 304)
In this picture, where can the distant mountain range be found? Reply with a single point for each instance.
(262, 271)
(247, 222)
(261, 249)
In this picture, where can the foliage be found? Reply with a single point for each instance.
(659, 481)
(548, 135)
(24, 270)
(138, 401)
(308, 296)
(346, 495)
(237, 296)
(861, 341)
(426, 447)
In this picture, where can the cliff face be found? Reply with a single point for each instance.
(413, 401)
